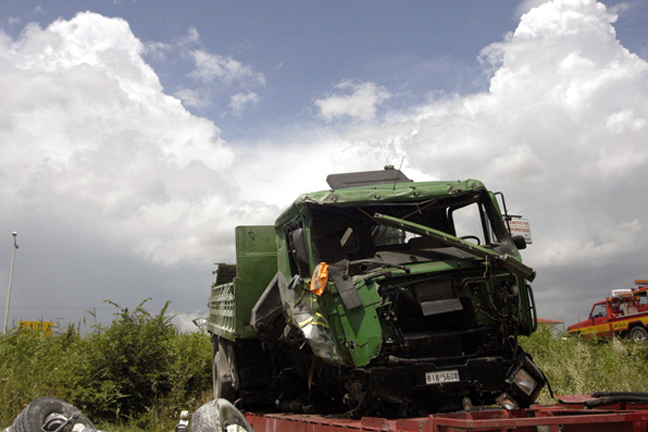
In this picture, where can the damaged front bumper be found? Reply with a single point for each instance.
(445, 384)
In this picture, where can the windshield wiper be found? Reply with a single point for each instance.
(507, 261)
(379, 261)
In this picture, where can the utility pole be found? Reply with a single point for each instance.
(13, 257)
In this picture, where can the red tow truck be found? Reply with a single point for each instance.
(624, 313)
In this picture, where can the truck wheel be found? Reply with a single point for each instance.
(224, 373)
(217, 416)
(206, 418)
(229, 415)
(638, 334)
(47, 414)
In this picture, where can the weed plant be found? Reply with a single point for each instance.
(138, 373)
(574, 365)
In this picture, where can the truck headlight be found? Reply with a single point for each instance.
(506, 401)
(525, 381)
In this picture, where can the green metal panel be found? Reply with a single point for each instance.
(362, 334)
(230, 304)
(283, 263)
(256, 261)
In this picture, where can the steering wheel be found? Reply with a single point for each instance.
(472, 237)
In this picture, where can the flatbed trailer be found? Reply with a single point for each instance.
(572, 414)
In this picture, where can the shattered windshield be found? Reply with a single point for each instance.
(351, 232)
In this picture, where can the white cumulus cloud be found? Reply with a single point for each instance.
(89, 135)
(212, 66)
(240, 101)
(91, 140)
(361, 103)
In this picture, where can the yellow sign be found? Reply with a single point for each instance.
(622, 325)
(602, 328)
(45, 326)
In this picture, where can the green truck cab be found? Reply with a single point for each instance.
(379, 296)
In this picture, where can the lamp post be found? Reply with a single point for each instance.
(13, 257)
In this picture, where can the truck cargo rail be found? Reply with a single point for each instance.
(569, 415)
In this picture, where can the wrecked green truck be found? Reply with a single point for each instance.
(379, 296)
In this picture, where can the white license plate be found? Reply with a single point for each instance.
(442, 377)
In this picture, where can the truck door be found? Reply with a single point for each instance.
(600, 321)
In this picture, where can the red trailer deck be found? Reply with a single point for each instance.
(571, 414)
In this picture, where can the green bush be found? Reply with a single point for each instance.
(139, 370)
(126, 365)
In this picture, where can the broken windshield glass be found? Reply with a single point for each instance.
(505, 260)
(352, 233)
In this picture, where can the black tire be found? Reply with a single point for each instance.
(638, 334)
(206, 418)
(229, 415)
(216, 416)
(47, 414)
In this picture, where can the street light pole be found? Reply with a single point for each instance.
(13, 257)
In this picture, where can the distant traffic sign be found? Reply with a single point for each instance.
(45, 326)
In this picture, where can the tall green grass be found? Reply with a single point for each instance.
(578, 366)
(138, 373)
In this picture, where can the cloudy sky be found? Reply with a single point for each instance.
(134, 136)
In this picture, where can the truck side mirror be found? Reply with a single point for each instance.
(519, 242)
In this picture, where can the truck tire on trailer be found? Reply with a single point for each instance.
(230, 415)
(47, 414)
(638, 334)
(206, 418)
(219, 415)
